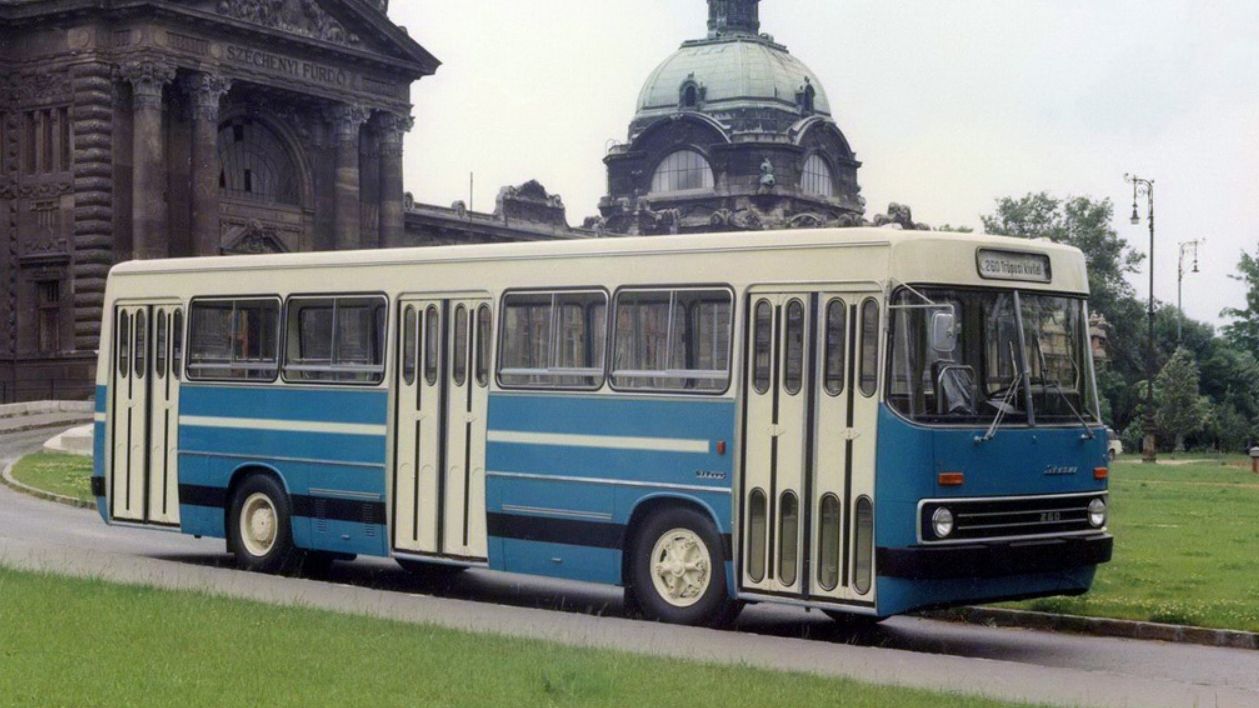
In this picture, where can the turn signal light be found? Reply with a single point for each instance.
(951, 479)
(1100, 473)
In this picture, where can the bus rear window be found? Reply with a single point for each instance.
(234, 340)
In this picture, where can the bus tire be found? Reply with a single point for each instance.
(677, 572)
(259, 527)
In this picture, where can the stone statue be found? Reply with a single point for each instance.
(768, 180)
(899, 216)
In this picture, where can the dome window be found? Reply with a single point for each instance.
(691, 95)
(818, 178)
(682, 171)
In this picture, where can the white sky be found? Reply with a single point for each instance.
(949, 104)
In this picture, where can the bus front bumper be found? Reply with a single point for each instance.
(994, 559)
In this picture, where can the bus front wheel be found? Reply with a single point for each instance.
(259, 527)
(678, 574)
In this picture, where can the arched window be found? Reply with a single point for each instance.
(256, 165)
(817, 177)
(681, 171)
(690, 96)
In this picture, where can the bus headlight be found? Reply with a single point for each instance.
(1097, 513)
(942, 522)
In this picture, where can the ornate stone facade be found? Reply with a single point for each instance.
(170, 128)
(732, 133)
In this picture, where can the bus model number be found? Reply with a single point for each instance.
(709, 474)
(1060, 470)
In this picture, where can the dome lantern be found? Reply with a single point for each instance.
(733, 17)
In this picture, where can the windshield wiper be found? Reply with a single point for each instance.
(1003, 407)
(1046, 383)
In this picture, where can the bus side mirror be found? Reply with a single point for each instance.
(943, 332)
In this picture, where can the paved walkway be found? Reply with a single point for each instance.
(1001, 663)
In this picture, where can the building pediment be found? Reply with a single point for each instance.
(360, 25)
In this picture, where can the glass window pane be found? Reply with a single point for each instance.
(793, 356)
(432, 344)
(159, 346)
(683, 170)
(234, 339)
(553, 340)
(828, 546)
(142, 345)
(836, 332)
(210, 339)
(756, 535)
(869, 347)
(124, 344)
(483, 338)
(818, 178)
(459, 369)
(177, 333)
(672, 340)
(763, 346)
(526, 339)
(408, 345)
(788, 538)
(864, 543)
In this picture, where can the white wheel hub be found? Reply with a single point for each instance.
(258, 524)
(680, 570)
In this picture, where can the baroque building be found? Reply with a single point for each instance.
(164, 128)
(731, 132)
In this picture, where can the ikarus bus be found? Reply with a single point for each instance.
(863, 421)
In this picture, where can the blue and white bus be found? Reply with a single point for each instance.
(864, 421)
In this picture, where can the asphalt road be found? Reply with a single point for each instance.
(1003, 663)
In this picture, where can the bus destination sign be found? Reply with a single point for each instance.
(1012, 265)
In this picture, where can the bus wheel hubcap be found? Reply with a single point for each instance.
(679, 567)
(258, 524)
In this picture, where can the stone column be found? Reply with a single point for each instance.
(206, 92)
(148, 206)
(93, 197)
(392, 128)
(347, 123)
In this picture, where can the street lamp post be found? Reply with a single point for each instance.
(1185, 247)
(1146, 187)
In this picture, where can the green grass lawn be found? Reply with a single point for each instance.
(68, 475)
(77, 642)
(1186, 546)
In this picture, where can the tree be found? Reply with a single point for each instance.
(1180, 409)
(1243, 332)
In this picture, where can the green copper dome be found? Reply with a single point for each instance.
(732, 73)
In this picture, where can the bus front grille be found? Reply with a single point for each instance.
(985, 519)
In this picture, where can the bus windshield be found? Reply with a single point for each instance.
(987, 355)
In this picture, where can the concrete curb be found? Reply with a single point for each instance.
(47, 425)
(1102, 627)
(6, 477)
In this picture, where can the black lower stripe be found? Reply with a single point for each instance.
(197, 495)
(98, 486)
(572, 532)
(361, 512)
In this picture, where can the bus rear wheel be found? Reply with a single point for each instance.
(259, 527)
(677, 573)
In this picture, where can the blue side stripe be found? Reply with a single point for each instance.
(363, 449)
(711, 418)
(345, 405)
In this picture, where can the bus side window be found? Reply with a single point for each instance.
(177, 348)
(432, 344)
(483, 346)
(459, 368)
(124, 344)
(869, 347)
(408, 346)
(159, 361)
(793, 360)
(141, 362)
(763, 337)
(836, 330)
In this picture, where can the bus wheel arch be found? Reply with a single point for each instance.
(258, 521)
(688, 518)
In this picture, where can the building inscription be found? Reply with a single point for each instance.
(280, 65)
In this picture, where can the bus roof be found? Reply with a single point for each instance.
(915, 256)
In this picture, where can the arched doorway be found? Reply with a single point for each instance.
(263, 191)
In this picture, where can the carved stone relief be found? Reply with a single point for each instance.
(303, 17)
